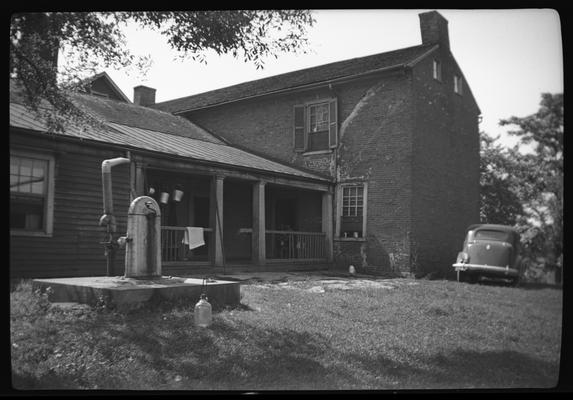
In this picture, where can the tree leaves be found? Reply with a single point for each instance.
(91, 41)
(526, 189)
(500, 200)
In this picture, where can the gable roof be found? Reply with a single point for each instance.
(142, 117)
(103, 79)
(127, 113)
(143, 128)
(297, 79)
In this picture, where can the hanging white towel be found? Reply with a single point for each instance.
(193, 237)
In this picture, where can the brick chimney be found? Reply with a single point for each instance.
(143, 96)
(434, 29)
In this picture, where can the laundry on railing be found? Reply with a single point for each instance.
(193, 237)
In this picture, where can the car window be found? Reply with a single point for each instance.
(487, 234)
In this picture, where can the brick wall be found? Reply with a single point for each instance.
(376, 147)
(375, 124)
(265, 125)
(445, 165)
(408, 137)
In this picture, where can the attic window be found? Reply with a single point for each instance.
(437, 70)
(458, 84)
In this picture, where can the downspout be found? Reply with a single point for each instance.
(108, 217)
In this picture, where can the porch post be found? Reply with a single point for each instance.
(216, 200)
(327, 223)
(139, 178)
(258, 238)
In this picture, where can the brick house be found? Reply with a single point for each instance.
(397, 132)
(372, 161)
(56, 192)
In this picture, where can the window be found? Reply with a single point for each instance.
(492, 235)
(437, 70)
(318, 118)
(31, 194)
(352, 210)
(457, 84)
(352, 201)
(315, 126)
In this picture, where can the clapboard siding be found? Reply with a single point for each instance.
(74, 248)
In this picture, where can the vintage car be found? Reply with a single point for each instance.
(490, 251)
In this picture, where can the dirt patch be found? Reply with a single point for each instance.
(324, 285)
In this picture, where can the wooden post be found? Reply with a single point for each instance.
(139, 180)
(258, 237)
(327, 224)
(217, 219)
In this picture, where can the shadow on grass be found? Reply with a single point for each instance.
(26, 381)
(166, 352)
(464, 369)
(538, 285)
(520, 285)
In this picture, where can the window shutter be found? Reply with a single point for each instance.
(333, 124)
(299, 131)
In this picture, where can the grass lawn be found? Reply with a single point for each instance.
(309, 334)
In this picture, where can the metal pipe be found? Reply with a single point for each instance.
(108, 218)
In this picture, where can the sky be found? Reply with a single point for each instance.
(508, 57)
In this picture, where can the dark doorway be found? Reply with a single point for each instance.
(286, 215)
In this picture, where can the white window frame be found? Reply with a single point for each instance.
(458, 84)
(48, 228)
(339, 208)
(309, 133)
(309, 107)
(332, 126)
(437, 70)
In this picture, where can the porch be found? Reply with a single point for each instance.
(246, 224)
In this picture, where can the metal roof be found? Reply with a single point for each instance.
(167, 143)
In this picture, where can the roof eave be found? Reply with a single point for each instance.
(301, 87)
(313, 85)
(316, 178)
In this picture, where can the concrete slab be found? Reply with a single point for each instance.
(122, 292)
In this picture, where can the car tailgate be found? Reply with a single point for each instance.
(490, 253)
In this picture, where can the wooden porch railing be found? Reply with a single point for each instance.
(173, 249)
(295, 245)
(280, 245)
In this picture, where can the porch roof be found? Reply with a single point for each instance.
(134, 137)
